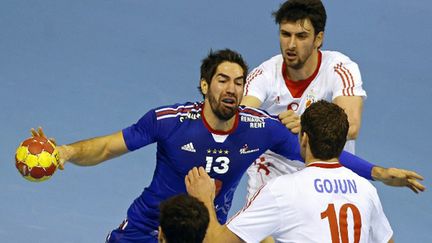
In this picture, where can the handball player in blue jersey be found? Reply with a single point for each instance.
(216, 134)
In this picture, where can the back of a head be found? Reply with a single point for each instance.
(294, 10)
(326, 125)
(183, 219)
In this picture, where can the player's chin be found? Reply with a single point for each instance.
(227, 112)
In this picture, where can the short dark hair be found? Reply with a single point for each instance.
(215, 58)
(326, 125)
(294, 10)
(183, 219)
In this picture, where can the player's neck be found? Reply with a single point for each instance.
(215, 122)
(310, 158)
(306, 71)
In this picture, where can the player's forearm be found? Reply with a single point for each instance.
(377, 172)
(353, 107)
(353, 131)
(217, 233)
(93, 151)
(251, 101)
(214, 226)
(360, 166)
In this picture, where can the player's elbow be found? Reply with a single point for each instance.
(353, 132)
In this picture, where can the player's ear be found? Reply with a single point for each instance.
(160, 235)
(204, 86)
(304, 139)
(319, 38)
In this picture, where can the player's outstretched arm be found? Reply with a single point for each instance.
(399, 178)
(91, 151)
(389, 176)
(200, 185)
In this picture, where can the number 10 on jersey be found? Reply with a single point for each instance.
(342, 229)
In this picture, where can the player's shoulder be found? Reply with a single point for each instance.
(284, 184)
(246, 112)
(365, 184)
(334, 58)
(273, 60)
(271, 64)
(178, 109)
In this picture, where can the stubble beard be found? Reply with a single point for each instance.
(297, 64)
(221, 112)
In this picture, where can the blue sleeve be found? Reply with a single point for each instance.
(285, 142)
(360, 166)
(142, 133)
(288, 146)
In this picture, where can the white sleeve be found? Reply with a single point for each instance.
(380, 230)
(348, 81)
(258, 219)
(257, 84)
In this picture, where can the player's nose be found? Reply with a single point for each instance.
(230, 88)
(292, 43)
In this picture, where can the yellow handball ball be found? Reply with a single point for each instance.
(36, 159)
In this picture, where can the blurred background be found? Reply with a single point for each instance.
(88, 68)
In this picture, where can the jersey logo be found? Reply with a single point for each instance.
(246, 150)
(254, 122)
(188, 147)
(310, 98)
(190, 116)
(262, 165)
(293, 106)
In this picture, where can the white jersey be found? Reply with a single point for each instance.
(336, 75)
(325, 202)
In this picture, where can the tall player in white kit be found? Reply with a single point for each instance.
(288, 83)
(325, 202)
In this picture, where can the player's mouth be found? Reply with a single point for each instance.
(291, 55)
(229, 102)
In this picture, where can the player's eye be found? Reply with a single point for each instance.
(239, 82)
(302, 36)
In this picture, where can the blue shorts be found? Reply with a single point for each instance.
(127, 233)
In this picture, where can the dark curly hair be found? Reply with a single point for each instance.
(294, 10)
(183, 219)
(326, 125)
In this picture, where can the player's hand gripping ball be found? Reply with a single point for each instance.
(37, 159)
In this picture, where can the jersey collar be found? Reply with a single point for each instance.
(297, 88)
(325, 165)
(219, 132)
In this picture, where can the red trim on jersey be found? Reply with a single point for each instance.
(219, 132)
(173, 111)
(250, 77)
(325, 165)
(351, 78)
(297, 88)
(347, 79)
(254, 112)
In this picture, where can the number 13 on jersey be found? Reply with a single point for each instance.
(219, 165)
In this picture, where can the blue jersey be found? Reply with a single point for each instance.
(185, 140)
